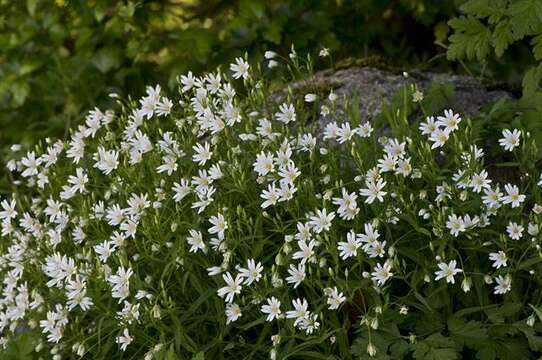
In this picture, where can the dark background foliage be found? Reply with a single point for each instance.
(60, 58)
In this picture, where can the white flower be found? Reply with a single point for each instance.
(345, 133)
(240, 68)
(300, 311)
(309, 324)
(321, 221)
(371, 234)
(286, 191)
(286, 113)
(124, 340)
(106, 160)
(449, 121)
(195, 240)
(394, 148)
(348, 207)
(381, 273)
(164, 106)
(188, 81)
(455, 224)
(365, 130)
(121, 283)
(510, 139)
(492, 197)
(271, 196)
(181, 190)
(512, 196)
(331, 131)
(9, 210)
(115, 215)
(310, 98)
(429, 126)
(324, 52)
(447, 271)
(58, 268)
(307, 142)
(439, 138)
(514, 230)
(202, 153)
(272, 309)
(480, 181)
(104, 250)
(504, 284)
(306, 250)
(31, 163)
(264, 164)
(129, 313)
(219, 226)
(387, 163)
(76, 290)
(253, 272)
(499, 259)
(375, 249)
(170, 165)
(233, 312)
(403, 167)
(303, 232)
(335, 299)
(136, 204)
(233, 286)
(533, 229)
(78, 181)
(289, 173)
(269, 54)
(373, 191)
(350, 247)
(297, 274)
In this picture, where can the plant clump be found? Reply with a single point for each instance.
(216, 223)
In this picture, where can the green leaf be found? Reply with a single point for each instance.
(199, 356)
(537, 311)
(31, 6)
(272, 32)
(486, 353)
(441, 31)
(438, 96)
(471, 40)
(20, 92)
(467, 333)
(531, 80)
(536, 42)
(28, 67)
(502, 37)
(497, 315)
(491, 9)
(107, 59)
(252, 9)
(526, 17)
(435, 347)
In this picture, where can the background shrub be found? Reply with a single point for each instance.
(60, 58)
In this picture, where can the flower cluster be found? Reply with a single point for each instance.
(172, 223)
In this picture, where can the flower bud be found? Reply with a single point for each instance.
(371, 350)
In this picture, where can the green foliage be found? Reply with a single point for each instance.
(498, 25)
(472, 39)
(59, 58)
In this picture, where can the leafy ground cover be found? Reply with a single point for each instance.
(217, 223)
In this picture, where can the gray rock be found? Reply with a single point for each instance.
(374, 86)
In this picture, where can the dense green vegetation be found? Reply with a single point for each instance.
(59, 59)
